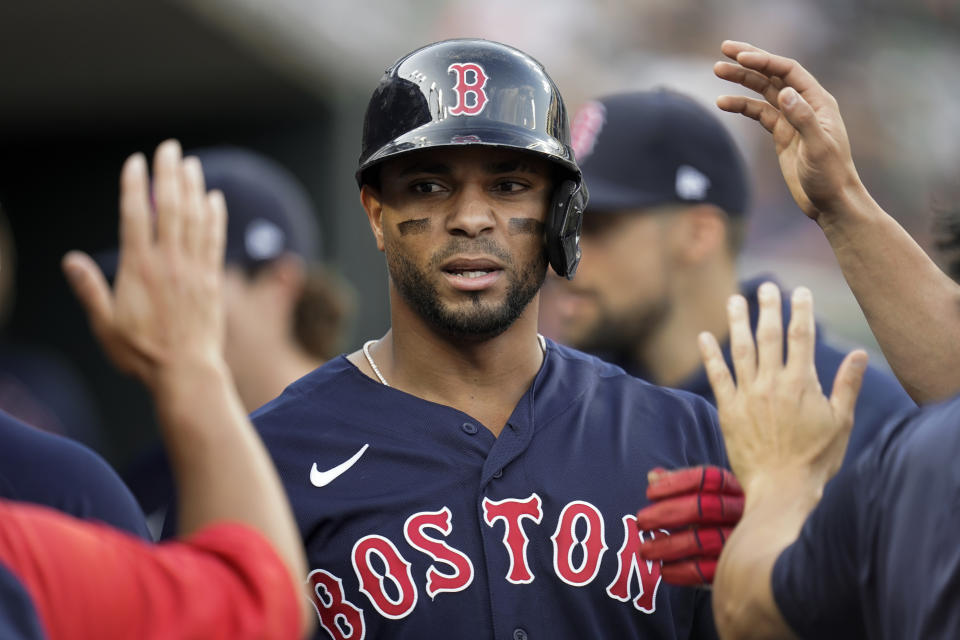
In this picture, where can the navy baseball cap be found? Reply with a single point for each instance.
(649, 148)
(268, 211)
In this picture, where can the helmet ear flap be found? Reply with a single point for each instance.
(564, 221)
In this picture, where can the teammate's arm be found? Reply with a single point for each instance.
(163, 322)
(910, 303)
(784, 440)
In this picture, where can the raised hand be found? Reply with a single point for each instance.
(774, 417)
(166, 307)
(808, 133)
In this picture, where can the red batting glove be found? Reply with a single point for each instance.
(699, 507)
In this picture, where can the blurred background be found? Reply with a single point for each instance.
(86, 84)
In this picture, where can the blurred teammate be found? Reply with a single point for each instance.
(461, 475)
(286, 313)
(876, 557)
(233, 573)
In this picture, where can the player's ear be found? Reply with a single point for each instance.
(701, 234)
(373, 205)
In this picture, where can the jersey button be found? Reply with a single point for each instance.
(520, 634)
(498, 473)
(469, 427)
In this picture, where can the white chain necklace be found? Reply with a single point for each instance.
(373, 365)
(376, 369)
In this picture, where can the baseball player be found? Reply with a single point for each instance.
(461, 475)
(877, 556)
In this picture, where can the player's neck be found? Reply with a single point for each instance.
(265, 376)
(671, 355)
(484, 379)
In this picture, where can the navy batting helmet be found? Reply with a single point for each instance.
(477, 92)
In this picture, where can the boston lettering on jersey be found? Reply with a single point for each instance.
(441, 526)
(393, 592)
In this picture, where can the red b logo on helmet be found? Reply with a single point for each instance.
(471, 98)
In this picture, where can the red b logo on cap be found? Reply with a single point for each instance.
(471, 98)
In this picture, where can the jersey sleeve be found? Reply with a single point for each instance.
(52, 470)
(815, 579)
(87, 580)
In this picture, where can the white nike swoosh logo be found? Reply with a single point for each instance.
(323, 478)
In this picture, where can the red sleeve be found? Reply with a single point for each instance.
(88, 580)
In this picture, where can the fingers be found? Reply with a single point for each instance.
(688, 543)
(790, 71)
(91, 289)
(187, 217)
(766, 86)
(785, 85)
(135, 223)
(757, 110)
(193, 201)
(742, 349)
(693, 508)
(800, 114)
(716, 367)
(846, 385)
(801, 335)
(216, 233)
(690, 573)
(665, 484)
(768, 64)
(733, 48)
(769, 330)
(167, 192)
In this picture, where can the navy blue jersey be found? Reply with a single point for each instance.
(18, 617)
(47, 469)
(418, 522)
(881, 396)
(879, 557)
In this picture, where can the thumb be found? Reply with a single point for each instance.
(90, 287)
(846, 385)
(800, 114)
